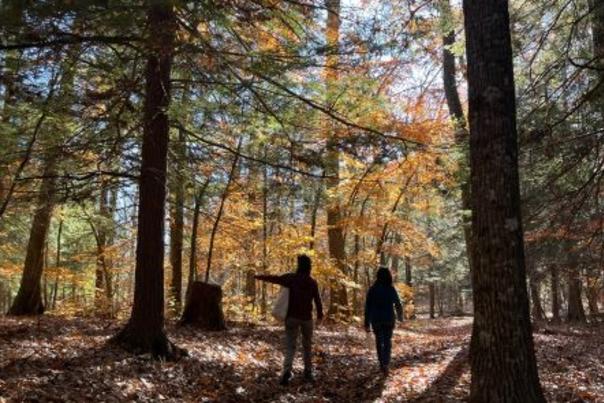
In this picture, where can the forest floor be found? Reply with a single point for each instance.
(67, 359)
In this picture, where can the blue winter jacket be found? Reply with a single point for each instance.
(380, 304)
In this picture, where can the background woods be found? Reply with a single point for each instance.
(148, 147)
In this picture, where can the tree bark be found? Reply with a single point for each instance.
(502, 353)
(410, 312)
(555, 291)
(576, 312)
(144, 332)
(432, 299)
(57, 266)
(193, 250)
(103, 282)
(537, 311)
(335, 233)
(457, 117)
(29, 299)
(177, 222)
(204, 307)
(225, 195)
(597, 24)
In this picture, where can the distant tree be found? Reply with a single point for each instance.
(335, 233)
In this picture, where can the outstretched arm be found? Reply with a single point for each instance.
(282, 280)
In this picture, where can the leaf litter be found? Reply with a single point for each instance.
(55, 358)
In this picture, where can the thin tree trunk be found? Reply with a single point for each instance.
(432, 299)
(458, 118)
(313, 216)
(555, 291)
(335, 233)
(537, 311)
(502, 356)
(177, 222)
(223, 199)
(103, 282)
(57, 266)
(597, 24)
(193, 252)
(263, 307)
(576, 312)
(145, 331)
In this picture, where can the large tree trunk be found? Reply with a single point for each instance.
(335, 233)
(502, 354)
(29, 298)
(576, 312)
(177, 223)
(144, 331)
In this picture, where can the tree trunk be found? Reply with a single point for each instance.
(395, 262)
(410, 312)
(555, 291)
(502, 354)
(12, 12)
(313, 216)
(408, 272)
(335, 233)
(193, 252)
(597, 23)
(263, 302)
(432, 299)
(103, 282)
(576, 312)
(457, 117)
(204, 307)
(29, 299)
(177, 223)
(537, 311)
(225, 195)
(145, 331)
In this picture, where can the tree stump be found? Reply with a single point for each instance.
(204, 307)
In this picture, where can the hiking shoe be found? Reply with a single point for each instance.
(285, 378)
(308, 376)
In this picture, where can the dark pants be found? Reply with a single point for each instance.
(294, 326)
(383, 342)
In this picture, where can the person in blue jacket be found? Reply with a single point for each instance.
(380, 304)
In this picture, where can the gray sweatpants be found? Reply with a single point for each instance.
(294, 326)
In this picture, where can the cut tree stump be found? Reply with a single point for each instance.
(203, 308)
